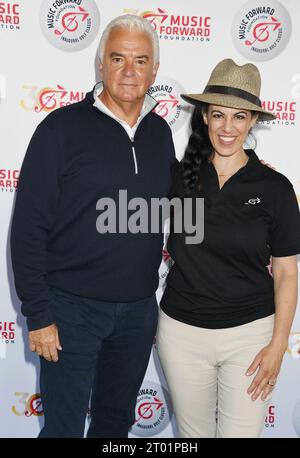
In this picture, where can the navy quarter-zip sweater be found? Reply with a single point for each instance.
(76, 156)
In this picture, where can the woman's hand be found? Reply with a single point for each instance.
(267, 164)
(268, 362)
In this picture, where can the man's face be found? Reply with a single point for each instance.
(128, 68)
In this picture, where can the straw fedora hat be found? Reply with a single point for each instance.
(234, 86)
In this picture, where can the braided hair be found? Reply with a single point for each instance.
(198, 150)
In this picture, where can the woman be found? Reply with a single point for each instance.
(225, 320)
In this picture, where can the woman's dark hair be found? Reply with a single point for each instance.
(198, 150)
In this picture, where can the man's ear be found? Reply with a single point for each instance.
(154, 73)
(101, 70)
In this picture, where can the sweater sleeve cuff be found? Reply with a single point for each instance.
(40, 320)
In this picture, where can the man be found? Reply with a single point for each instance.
(89, 298)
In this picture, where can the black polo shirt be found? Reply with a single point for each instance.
(225, 280)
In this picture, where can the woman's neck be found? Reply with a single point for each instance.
(229, 165)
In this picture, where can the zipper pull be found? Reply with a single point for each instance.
(134, 156)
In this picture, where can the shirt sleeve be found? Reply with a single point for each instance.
(34, 213)
(285, 230)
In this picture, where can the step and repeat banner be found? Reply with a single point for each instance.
(48, 60)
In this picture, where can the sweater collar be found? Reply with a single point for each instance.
(149, 103)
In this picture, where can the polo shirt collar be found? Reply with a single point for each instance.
(253, 162)
(209, 177)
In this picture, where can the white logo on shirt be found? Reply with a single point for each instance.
(253, 201)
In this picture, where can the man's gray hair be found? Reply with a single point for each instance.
(130, 22)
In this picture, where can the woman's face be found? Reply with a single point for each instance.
(228, 128)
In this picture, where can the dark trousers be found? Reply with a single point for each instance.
(106, 349)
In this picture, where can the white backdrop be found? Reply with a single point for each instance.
(48, 59)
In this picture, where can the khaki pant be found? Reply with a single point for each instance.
(205, 367)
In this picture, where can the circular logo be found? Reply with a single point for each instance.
(171, 106)
(70, 25)
(153, 410)
(296, 418)
(34, 406)
(261, 30)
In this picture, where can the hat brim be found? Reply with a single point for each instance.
(229, 101)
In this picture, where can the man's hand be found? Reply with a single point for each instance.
(45, 342)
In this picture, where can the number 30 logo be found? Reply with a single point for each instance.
(28, 405)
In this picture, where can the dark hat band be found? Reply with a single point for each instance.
(225, 90)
